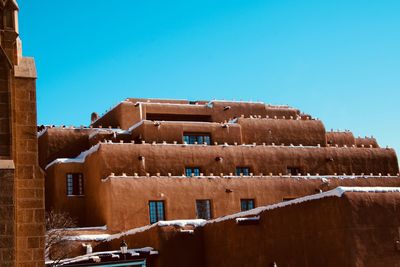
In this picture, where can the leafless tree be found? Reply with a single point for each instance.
(57, 224)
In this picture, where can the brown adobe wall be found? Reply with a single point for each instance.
(127, 198)
(175, 248)
(56, 193)
(174, 131)
(340, 138)
(296, 132)
(123, 116)
(358, 229)
(127, 113)
(62, 143)
(164, 159)
(366, 142)
(247, 109)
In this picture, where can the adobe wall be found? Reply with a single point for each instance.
(127, 198)
(56, 193)
(62, 143)
(127, 113)
(164, 159)
(366, 142)
(358, 229)
(174, 131)
(124, 115)
(272, 131)
(340, 138)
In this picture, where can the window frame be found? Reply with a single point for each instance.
(192, 171)
(187, 136)
(210, 209)
(289, 170)
(247, 201)
(75, 184)
(157, 211)
(241, 168)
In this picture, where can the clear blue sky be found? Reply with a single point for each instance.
(337, 60)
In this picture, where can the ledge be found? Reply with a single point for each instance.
(7, 164)
(26, 68)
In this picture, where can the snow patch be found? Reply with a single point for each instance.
(42, 132)
(98, 237)
(248, 219)
(95, 228)
(105, 130)
(79, 159)
(133, 127)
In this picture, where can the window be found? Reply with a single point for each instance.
(190, 138)
(203, 209)
(192, 171)
(288, 198)
(246, 204)
(74, 184)
(293, 170)
(156, 210)
(242, 171)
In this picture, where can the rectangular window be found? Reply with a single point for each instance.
(192, 138)
(203, 209)
(75, 184)
(156, 211)
(246, 204)
(293, 170)
(192, 171)
(245, 171)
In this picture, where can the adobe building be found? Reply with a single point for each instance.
(346, 226)
(21, 178)
(149, 160)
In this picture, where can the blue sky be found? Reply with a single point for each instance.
(337, 60)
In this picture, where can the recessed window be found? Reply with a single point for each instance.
(203, 209)
(288, 198)
(293, 170)
(189, 171)
(245, 171)
(156, 210)
(246, 204)
(74, 184)
(9, 19)
(191, 138)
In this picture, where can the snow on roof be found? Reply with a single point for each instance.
(108, 237)
(96, 255)
(42, 132)
(337, 192)
(105, 130)
(79, 159)
(133, 127)
(323, 178)
(94, 228)
(88, 237)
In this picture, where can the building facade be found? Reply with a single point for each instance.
(21, 179)
(148, 160)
